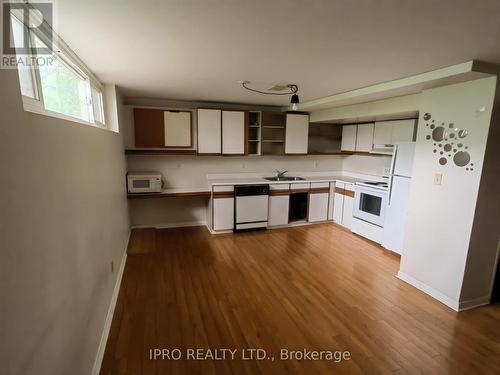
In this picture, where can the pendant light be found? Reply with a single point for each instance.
(295, 102)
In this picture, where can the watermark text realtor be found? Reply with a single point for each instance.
(26, 34)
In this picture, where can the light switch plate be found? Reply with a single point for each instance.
(438, 178)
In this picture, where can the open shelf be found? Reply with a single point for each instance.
(254, 134)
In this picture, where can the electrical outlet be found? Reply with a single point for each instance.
(112, 266)
(438, 178)
(387, 170)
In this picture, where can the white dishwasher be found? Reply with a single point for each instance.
(250, 206)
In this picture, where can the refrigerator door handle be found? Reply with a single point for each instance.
(393, 161)
(391, 180)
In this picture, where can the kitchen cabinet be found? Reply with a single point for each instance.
(387, 133)
(338, 202)
(364, 138)
(349, 138)
(318, 201)
(223, 208)
(234, 130)
(343, 203)
(149, 129)
(177, 128)
(279, 202)
(209, 131)
(296, 133)
(157, 128)
(331, 201)
(348, 205)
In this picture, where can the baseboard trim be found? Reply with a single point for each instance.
(109, 317)
(429, 290)
(172, 225)
(476, 302)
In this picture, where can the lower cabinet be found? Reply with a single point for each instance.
(348, 205)
(223, 207)
(338, 202)
(278, 209)
(343, 204)
(223, 213)
(279, 204)
(318, 202)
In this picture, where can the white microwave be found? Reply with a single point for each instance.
(144, 182)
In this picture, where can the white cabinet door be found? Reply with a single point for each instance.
(297, 132)
(233, 132)
(382, 134)
(402, 131)
(331, 200)
(347, 211)
(223, 213)
(318, 207)
(177, 128)
(364, 138)
(278, 210)
(209, 131)
(338, 203)
(348, 138)
(348, 206)
(391, 132)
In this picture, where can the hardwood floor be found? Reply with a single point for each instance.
(311, 287)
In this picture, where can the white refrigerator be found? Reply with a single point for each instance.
(399, 192)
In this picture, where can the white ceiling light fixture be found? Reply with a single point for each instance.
(275, 89)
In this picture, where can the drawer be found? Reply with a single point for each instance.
(279, 186)
(315, 185)
(223, 188)
(300, 186)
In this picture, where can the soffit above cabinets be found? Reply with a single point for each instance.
(467, 71)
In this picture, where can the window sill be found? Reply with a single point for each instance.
(35, 106)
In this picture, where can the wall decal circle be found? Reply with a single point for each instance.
(427, 116)
(461, 158)
(438, 134)
(442, 161)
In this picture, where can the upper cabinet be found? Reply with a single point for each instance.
(177, 129)
(349, 138)
(364, 138)
(157, 128)
(296, 133)
(234, 132)
(388, 133)
(209, 131)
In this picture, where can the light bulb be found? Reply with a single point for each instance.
(294, 106)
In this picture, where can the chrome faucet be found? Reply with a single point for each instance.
(280, 174)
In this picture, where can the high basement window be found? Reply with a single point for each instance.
(63, 88)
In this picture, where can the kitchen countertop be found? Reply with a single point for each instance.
(308, 179)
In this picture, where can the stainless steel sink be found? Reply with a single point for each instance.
(284, 178)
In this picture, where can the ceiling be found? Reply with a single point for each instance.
(200, 49)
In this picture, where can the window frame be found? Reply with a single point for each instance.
(67, 57)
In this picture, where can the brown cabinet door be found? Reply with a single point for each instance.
(149, 128)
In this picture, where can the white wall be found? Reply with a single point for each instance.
(484, 245)
(440, 217)
(366, 164)
(63, 220)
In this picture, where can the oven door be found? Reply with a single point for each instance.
(370, 205)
